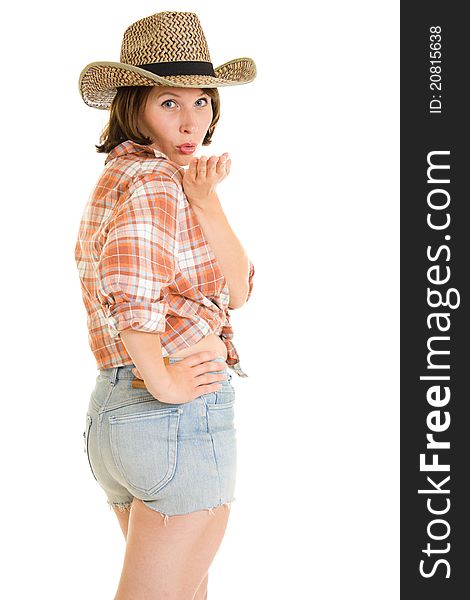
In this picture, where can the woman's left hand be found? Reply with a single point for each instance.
(202, 177)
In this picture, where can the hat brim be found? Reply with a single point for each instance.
(98, 81)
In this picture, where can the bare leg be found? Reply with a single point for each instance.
(170, 560)
(123, 518)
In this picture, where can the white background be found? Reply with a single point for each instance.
(313, 197)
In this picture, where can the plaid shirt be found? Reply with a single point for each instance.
(144, 263)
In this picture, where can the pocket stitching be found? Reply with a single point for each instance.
(140, 400)
(228, 404)
(157, 412)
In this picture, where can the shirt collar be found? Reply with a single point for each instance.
(131, 147)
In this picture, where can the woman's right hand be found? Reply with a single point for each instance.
(189, 377)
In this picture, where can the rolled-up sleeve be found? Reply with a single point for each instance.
(138, 258)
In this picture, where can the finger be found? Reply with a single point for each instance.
(228, 164)
(199, 357)
(202, 167)
(209, 366)
(209, 378)
(221, 165)
(207, 389)
(212, 165)
(192, 170)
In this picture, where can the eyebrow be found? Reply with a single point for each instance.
(178, 95)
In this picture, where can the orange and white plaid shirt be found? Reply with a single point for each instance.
(144, 262)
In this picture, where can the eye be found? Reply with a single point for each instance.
(205, 100)
(166, 102)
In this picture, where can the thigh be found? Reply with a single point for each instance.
(169, 560)
(123, 519)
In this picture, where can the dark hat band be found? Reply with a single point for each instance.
(182, 67)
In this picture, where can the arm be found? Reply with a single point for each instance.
(235, 264)
(145, 350)
(136, 263)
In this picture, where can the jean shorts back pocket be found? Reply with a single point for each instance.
(144, 446)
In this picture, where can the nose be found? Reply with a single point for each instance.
(187, 127)
(188, 123)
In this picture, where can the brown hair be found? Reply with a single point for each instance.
(124, 114)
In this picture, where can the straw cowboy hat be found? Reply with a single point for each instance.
(168, 48)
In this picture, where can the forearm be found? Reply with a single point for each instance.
(145, 349)
(230, 254)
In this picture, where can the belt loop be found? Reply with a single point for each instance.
(114, 374)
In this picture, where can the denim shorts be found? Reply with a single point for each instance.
(176, 458)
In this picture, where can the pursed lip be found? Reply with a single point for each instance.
(187, 145)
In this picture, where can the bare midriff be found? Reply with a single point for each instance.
(210, 342)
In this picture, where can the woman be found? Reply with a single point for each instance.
(159, 268)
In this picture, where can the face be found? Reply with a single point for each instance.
(173, 116)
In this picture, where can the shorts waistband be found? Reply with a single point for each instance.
(125, 371)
